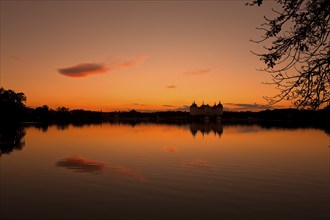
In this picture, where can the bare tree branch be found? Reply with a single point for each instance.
(299, 56)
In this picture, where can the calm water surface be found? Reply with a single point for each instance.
(164, 172)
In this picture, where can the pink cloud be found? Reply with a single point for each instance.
(85, 69)
(18, 59)
(128, 63)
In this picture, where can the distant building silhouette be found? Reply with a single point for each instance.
(206, 111)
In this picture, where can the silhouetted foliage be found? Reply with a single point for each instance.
(62, 109)
(11, 138)
(289, 118)
(12, 105)
(42, 113)
(299, 56)
(14, 111)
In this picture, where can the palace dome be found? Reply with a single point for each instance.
(193, 105)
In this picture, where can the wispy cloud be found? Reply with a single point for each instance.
(198, 72)
(169, 106)
(16, 58)
(183, 108)
(247, 106)
(127, 63)
(85, 69)
(177, 108)
(138, 104)
(171, 87)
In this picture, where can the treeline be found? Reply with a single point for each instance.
(289, 114)
(164, 116)
(63, 115)
(13, 109)
(283, 118)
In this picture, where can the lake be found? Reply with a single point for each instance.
(158, 171)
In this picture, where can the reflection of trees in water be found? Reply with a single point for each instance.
(62, 126)
(11, 138)
(41, 126)
(206, 128)
(326, 130)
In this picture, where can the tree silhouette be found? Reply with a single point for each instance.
(12, 104)
(299, 56)
(42, 113)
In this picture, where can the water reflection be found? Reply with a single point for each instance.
(206, 128)
(122, 171)
(170, 149)
(195, 127)
(80, 164)
(41, 126)
(11, 138)
(197, 163)
(62, 126)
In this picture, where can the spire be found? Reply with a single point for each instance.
(193, 104)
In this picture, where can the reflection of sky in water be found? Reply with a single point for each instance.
(196, 163)
(243, 129)
(163, 169)
(170, 149)
(81, 164)
(123, 171)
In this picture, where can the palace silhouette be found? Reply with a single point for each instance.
(207, 112)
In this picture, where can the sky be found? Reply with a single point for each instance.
(142, 55)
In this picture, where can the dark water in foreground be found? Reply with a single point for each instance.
(164, 172)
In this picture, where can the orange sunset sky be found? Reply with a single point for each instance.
(143, 55)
